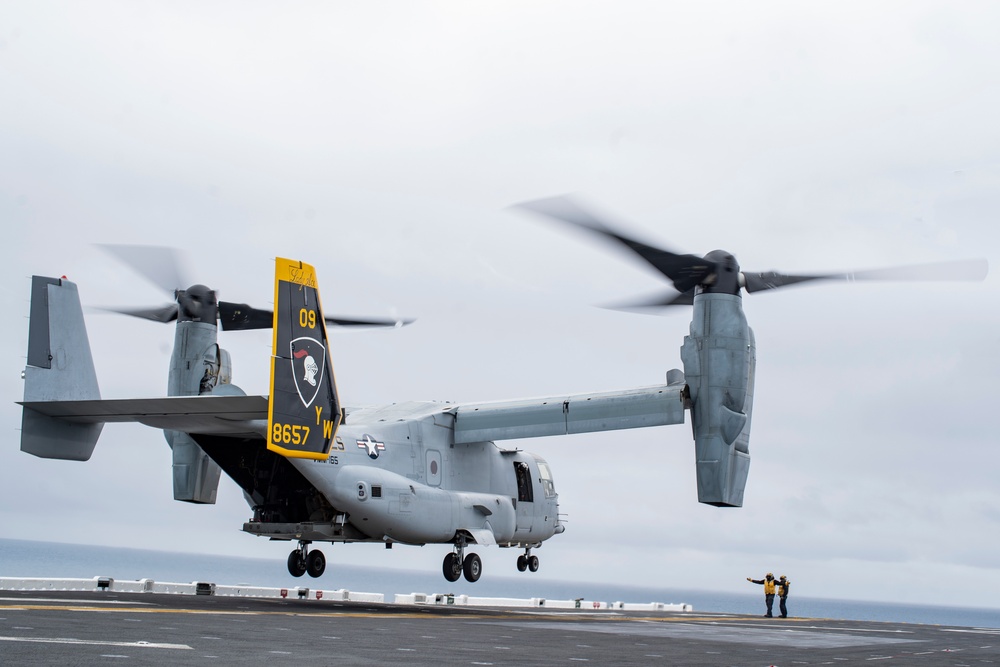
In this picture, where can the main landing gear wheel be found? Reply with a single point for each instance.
(296, 564)
(473, 567)
(301, 560)
(533, 563)
(452, 567)
(315, 563)
(522, 563)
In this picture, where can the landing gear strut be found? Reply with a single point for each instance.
(302, 560)
(527, 561)
(458, 563)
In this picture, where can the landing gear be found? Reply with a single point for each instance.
(302, 560)
(315, 563)
(527, 562)
(473, 567)
(457, 563)
(452, 567)
(296, 564)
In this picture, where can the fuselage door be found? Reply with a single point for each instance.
(522, 473)
(433, 461)
(525, 506)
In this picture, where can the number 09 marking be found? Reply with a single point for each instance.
(307, 318)
(289, 434)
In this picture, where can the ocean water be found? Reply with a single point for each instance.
(19, 558)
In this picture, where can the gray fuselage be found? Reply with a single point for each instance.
(398, 476)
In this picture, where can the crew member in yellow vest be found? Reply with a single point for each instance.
(783, 585)
(769, 587)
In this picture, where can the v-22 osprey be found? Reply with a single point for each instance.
(415, 473)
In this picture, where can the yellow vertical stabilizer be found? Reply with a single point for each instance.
(304, 410)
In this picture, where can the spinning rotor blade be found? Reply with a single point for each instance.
(162, 267)
(242, 317)
(157, 264)
(956, 270)
(685, 271)
(348, 322)
(660, 301)
(164, 314)
(719, 272)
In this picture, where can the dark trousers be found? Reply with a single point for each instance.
(769, 601)
(782, 607)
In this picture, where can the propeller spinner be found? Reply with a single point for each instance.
(719, 272)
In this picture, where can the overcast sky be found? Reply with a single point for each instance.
(383, 142)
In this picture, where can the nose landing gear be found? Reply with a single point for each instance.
(527, 562)
(302, 560)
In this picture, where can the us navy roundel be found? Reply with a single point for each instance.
(371, 445)
(308, 361)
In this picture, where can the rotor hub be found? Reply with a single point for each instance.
(725, 276)
(197, 304)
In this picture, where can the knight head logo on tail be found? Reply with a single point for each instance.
(307, 355)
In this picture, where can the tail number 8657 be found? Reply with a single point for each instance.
(289, 434)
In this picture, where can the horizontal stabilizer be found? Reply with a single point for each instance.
(235, 416)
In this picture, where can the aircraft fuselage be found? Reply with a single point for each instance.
(398, 476)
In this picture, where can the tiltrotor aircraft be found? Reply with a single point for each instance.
(412, 473)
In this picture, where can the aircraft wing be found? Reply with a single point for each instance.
(578, 413)
(235, 416)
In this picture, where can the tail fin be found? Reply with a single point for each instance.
(60, 367)
(304, 411)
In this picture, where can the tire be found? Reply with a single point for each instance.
(533, 563)
(296, 566)
(315, 563)
(452, 568)
(522, 563)
(473, 568)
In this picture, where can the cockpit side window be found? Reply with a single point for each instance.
(545, 477)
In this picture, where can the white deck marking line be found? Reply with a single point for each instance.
(91, 642)
(74, 601)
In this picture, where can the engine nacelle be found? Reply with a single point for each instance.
(719, 359)
(197, 366)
